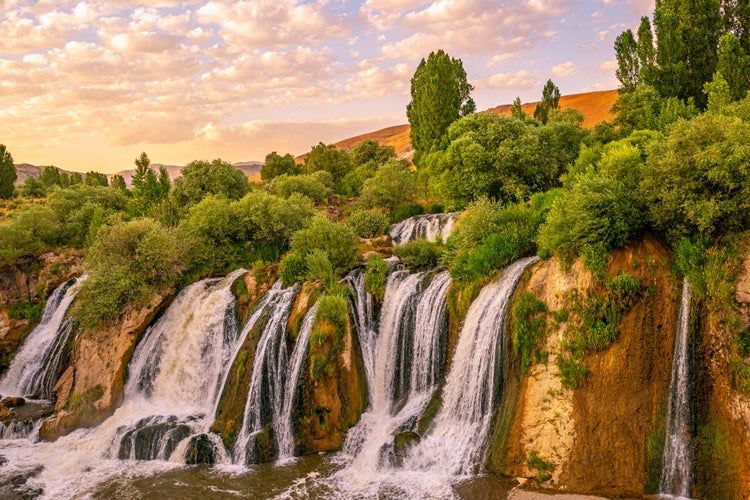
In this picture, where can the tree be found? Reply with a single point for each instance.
(50, 176)
(33, 188)
(628, 64)
(392, 185)
(734, 65)
(76, 178)
(516, 110)
(646, 51)
(370, 151)
(8, 174)
(550, 101)
(328, 158)
(96, 179)
(165, 185)
(142, 168)
(440, 95)
(276, 165)
(201, 178)
(118, 181)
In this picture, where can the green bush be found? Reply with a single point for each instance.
(309, 185)
(392, 186)
(376, 276)
(329, 328)
(490, 236)
(337, 240)
(26, 310)
(418, 254)
(403, 213)
(319, 266)
(543, 468)
(572, 369)
(128, 264)
(368, 223)
(292, 269)
(202, 178)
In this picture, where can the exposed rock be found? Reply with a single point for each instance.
(201, 451)
(100, 359)
(401, 444)
(6, 414)
(544, 420)
(63, 388)
(332, 402)
(12, 402)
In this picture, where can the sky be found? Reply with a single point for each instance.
(88, 85)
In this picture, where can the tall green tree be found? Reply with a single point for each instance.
(328, 158)
(628, 63)
(516, 110)
(50, 176)
(737, 20)
(440, 95)
(8, 174)
(734, 65)
(96, 179)
(202, 178)
(646, 50)
(550, 101)
(118, 181)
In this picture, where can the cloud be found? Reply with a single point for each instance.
(564, 70)
(608, 66)
(520, 80)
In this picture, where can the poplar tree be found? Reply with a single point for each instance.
(8, 174)
(440, 95)
(628, 63)
(550, 101)
(734, 66)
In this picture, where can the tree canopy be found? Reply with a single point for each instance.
(7, 174)
(440, 95)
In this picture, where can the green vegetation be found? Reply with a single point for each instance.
(377, 272)
(276, 165)
(543, 468)
(201, 178)
(440, 94)
(369, 223)
(528, 330)
(418, 254)
(336, 240)
(717, 476)
(128, 263)
(7, 174)
(327, 336)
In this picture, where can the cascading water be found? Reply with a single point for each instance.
(362, 305)
(38, 363)
(457, 438)
(173, 381)
(408, 359)
(284, 431)
(427, 227)
(267, 388)
(675, 474)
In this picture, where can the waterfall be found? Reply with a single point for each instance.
(362, 305)
(284, 433)
(174, 378)
(458, 436)
(38, 363)
(408, 359)
(427, 227)
(675, 474)
(265, 397)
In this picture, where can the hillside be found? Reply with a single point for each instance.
(595, 107)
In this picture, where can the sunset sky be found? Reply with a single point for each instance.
(88, 85)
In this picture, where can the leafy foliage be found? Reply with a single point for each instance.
(328, 158)
(392, 185)
(276, 165)
(201, 178)
(368, 223)
(529, 327)
(129, 263)
(336, 240)
(418, 254)
(440, 94)
(8, 174)
(376, 276)
(315, 186)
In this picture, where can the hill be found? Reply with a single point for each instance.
(595, 107)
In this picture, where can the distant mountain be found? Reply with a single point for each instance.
(595, 106)
(250, 168)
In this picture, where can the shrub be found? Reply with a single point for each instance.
(292, 269)
(337, 240)
(392, 185)
(543, 468)
(329, 329)
(309, 185)
(128, 264)
(319, 266)
(418, 254)
(201, 178)
(368, 223)
(376, 276)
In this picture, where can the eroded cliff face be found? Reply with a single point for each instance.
(26, 286)
(92, 387)
(599, 437)
(722, 468)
